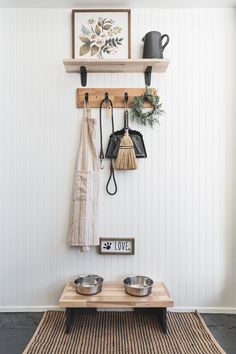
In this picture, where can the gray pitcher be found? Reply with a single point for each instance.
(153, 47)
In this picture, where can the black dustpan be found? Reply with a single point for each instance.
(115, 138)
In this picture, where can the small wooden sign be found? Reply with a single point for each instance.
(116, 246)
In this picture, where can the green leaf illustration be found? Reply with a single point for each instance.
(84, 49)
(119, 41)
(107, 27)
(97, 30)
(94, 50)
(84, 39)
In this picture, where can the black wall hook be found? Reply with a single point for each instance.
(83, 75)
(106, 96)
(147, 75)
(126, 97)
(86, 97)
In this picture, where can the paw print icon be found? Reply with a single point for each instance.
(107, 246)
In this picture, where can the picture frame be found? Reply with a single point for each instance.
(101, 34)
(116, 246)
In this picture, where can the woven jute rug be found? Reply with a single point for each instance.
(122, 333)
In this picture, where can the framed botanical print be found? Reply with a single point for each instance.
(101, 34)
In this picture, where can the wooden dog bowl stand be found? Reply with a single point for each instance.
(113, 295)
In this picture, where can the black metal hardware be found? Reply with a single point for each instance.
(83, 75)
(147, 75)
(161, 315)
(126, 98)
(70, 314)
(86, 97)
(106, 95)
(159, 312)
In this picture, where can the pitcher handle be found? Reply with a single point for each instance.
(166, 42)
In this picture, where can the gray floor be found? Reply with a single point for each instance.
(223, 328)
(16, 329)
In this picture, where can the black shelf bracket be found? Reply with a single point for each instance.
(148, 75)
(83, 75)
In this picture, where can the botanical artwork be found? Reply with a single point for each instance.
(101, 34)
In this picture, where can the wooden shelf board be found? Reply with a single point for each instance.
(115, 66)
(113, 295)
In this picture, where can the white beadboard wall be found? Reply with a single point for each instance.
(180, 205)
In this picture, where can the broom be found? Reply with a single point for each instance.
(126, 158)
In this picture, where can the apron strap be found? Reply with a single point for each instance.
(112, 176)
(101, 155)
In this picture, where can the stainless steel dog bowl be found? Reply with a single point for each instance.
(88, 284)
(138, 285)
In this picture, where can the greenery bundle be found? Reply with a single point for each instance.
(144, 117)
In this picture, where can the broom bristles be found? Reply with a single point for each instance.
(126, 159)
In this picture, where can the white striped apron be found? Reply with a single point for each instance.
(82, 229)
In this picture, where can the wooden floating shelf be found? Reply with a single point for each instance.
(116, 66)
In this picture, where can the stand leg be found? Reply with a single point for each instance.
(69, 318)
(159, 312)
(161, 316)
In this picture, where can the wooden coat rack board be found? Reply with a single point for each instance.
(96, 95)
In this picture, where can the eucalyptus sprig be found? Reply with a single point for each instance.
(144, 117)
